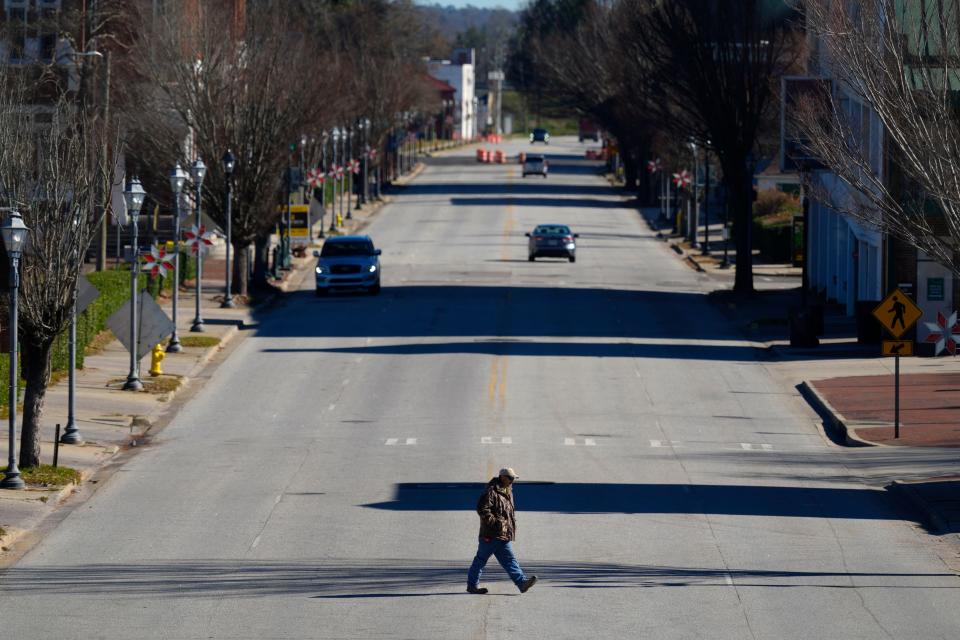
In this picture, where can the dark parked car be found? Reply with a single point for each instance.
(539, 135)
(552, 240)
(348, 262)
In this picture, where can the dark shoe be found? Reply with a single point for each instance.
(526, 584)
(471, 589)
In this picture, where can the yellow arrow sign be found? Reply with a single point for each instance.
(897, 313)
(902, 348)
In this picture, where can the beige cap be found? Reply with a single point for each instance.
(509, 472)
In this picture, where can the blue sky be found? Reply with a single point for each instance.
(485, 4)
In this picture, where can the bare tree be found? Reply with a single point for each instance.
(715, 65)
(53, 170)
(901, 60)
(594, 64)
(212, 84)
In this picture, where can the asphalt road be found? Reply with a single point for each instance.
(322, 485)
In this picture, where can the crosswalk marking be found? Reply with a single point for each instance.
(490, 440)
(394, 441)
(659, 444)
(587, 442)
(590, 442)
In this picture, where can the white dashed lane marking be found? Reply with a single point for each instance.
(493, 440)
(572, 442)
(395, 441)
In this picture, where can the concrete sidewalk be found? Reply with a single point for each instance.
(111, 420)
(849, 384)
(860, 410)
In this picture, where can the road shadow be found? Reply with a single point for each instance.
(730, 353)
(590, 498)
(533, 186)
(344, 579)
(504, 201)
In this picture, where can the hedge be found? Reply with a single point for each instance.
(114, 288)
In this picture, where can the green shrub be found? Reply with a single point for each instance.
(775, 204)
(114, 288)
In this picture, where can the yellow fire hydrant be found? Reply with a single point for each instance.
(156, 358)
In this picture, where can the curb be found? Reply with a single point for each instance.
(834, 421)
(931, 518)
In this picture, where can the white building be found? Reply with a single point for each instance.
(460, 74)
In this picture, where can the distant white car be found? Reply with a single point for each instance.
(535, 165)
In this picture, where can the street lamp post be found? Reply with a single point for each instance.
(349, 170)
(178, 177)
(705, 249)
(229, 163)
(335, 138)
(695, 218)
(342, 177)
(71, 434)
(366, 160)
(362, 169)
(134, 196)
(14, 238)
(323, 185)
(197, 171)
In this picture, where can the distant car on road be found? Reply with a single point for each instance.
(539, 135)
(535, 164)
(348, 262)
(552, 240)
(588, 130)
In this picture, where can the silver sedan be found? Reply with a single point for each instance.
(552, 240)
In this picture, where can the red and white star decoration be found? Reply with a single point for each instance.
(198, 237)
(682, 179)
(372, 154)
(354, 166)
(315, 178)
(945, 333)
(654, 166)
(157, 261)
(339, 172)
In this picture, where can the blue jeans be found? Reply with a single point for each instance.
(503, 550)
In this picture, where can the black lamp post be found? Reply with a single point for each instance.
(71, 433)
(178, 177)
(365, 167)
(197, 171)
(14, 239)
(324, 170)
(134, 195)
(349, 170)
(229, 163)
(335, 140)
(341, 170)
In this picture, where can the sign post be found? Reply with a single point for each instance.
(897, 313)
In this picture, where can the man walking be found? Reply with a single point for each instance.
(498, 528)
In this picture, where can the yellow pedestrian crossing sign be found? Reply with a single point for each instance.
(897, 313)
(898, 348)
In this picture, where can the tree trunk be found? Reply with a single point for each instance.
(630, 170)
(241, 268)
(260, 258)
(740, 189)
(36, 374)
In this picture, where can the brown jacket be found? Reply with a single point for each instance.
(495, 507)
